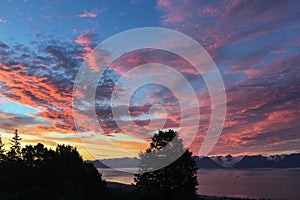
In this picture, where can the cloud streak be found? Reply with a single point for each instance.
(255, 48)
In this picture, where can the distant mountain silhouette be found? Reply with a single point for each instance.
(288, 161)
(277, 161)
(206, 163)
(117, 163)
(97, 163)
(216, 162)
(258, 161)
(201, 162)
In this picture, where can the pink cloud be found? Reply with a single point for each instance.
(172, 14)
(91, 14)
(230, 21)
(164, 3)
(4, 21)
(279, 51)
(85, 41)
(211, 11)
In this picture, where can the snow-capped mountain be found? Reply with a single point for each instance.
(216, 162)
(277, 161)
(227, 161)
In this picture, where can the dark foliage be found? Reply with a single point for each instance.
(15, 149)
(2, 155)
(36, 172)
(177, 180)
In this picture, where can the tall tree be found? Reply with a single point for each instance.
(179, 179)
(15, 149)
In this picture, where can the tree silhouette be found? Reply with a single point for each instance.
(177, 179)
(15, 149)
(73, 174)
(34, 155)
(42, 173)
(2, 151)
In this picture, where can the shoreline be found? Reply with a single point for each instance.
(127, 188)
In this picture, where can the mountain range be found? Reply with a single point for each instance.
(215, 162)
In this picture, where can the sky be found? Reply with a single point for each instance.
(255, 45)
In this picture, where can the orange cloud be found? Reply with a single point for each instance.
(85, 41)
(30, 90)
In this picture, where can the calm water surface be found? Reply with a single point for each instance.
(252, 183)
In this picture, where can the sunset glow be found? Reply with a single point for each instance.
(255, 45)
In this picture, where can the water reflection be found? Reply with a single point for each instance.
(252, 183)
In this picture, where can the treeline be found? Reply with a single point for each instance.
(36, 172)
